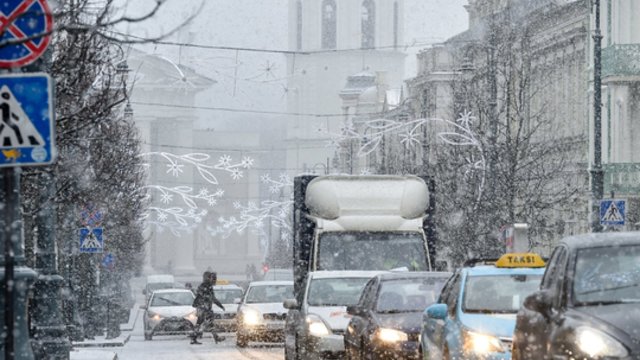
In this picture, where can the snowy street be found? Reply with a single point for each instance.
(177, 347)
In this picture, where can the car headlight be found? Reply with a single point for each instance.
(154, 316)
(391, 335)
(191, 316)
(316, 326)
(481, 344)
(251, 317)
(595, 343)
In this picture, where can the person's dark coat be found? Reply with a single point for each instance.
(205, 296)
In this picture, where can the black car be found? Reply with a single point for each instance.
(588, 305)
(386, 321)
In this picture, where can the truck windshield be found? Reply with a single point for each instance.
(372, 251)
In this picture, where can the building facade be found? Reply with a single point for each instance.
(621, 104)
(333, 40)
(522, 70)
(190, 182)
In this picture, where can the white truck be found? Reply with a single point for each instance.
(377, 222)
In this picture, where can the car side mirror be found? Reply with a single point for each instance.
(437, 311)
(354, 310)
(144, 291)
(237, 300)
(143, 307)
(539, 301)
(290, 304)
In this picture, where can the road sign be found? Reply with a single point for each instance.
(612, 212)
(27, 132)
(109, 261)
(91, 240)
(27, 24)
(91, 216)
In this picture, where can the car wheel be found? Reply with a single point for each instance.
(148, 336)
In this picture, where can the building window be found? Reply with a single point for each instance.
(299, 25)
(329, 24)
(368, 24)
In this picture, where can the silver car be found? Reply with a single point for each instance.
(261, 314)
(225, 320)
(315, 328)
(169, 312)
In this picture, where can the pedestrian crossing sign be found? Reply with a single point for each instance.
(27, 131)
(612, 212)
(91, 240)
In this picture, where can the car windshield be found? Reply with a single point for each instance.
(226, 296)
(498, 293)
(371, 251)
(408, 295)
(335, 292)
(182, 298)
(279, 274)
(159, 286)
(269, 294)
(607, 275)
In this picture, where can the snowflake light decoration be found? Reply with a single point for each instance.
(179, 219)
(370, 133)
(254, 216)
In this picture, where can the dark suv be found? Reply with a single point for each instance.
(588, 305)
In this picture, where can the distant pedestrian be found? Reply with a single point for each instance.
(203, 302)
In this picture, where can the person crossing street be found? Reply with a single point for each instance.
(203, 302)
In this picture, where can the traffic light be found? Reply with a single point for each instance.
(265, 268)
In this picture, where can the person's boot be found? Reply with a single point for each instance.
(194, 341)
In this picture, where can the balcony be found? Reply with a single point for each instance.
(621, 60)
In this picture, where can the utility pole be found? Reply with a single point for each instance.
(597, 174)
(15, 275)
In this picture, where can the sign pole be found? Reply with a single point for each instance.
(8, 175)
(16, 277)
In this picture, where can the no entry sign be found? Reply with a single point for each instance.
(25, 28)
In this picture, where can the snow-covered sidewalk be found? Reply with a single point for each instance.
(92, 354)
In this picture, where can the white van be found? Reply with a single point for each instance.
(157, 282)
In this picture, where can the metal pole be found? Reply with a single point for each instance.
(16, 277)
(597, 174)
(9, 188)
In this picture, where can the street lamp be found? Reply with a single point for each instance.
(597, 174)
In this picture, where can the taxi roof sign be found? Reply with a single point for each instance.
(520, 260)
(222, 282)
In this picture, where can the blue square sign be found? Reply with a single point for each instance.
(91, 240)
(27, 129)
(612, 212)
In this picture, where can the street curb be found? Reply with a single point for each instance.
(118, 342)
